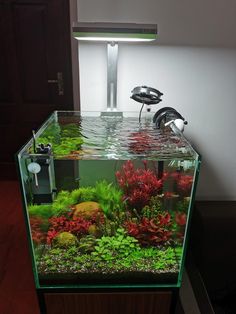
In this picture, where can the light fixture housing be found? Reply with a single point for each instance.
(114, 32)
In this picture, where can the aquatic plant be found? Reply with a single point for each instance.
(140, 142)
(182, 181)
(65, 199)
(62, 203)
(109, 227)
(44, 211)
(165, 259)
(183, 205)
(184, 184)
(83, 194)
(87, 244)
(64, 139)
(138, 185)
(153, 208)
(68, 145)
(109, 248)
(38, 235)
(64, 240)
(109, 197)
(51, 135)
(178, 252)
(146, 259)
(155, 231)
(71, 130)
(180, 219)
(75, 225)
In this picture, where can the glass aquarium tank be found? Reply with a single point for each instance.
(107, 201)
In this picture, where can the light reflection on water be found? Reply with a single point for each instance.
(127, 139)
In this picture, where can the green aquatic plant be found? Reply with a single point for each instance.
(64, 139)
(140, 259)
(51, 135)
(109, 227)
(67, 146)
(82, 194)
(182, 206)
(44, 211)
(153, 208)
(178, 252)
(109, 197)
(62, 203)
(87, 244)
(165, 259)
(109, 248)
(71, 130)
(154, 258)
(65, 199)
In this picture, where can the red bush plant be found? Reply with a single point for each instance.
(66, 223)
(180, 219)
(138, 185)
(155, 231)
(183, 182)
(38, 235)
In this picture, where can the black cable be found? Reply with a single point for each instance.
(140, 112)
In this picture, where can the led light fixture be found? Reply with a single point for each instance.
(112, 33)
(115, 32)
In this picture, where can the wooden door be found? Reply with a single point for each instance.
(35, 68)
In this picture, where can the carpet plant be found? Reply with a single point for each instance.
(138, 259)
(110, 248)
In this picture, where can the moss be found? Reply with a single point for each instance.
(87, 209)
(65, 240)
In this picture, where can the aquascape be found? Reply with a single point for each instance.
(107, 200)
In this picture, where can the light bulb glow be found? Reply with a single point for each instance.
(115, 32)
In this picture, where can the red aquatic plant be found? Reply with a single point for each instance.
(184, 184)
(138, 185)
(169, 195)
(75, 225)
(140, 142)
(180, 218)
(38, 235)
(154, 231)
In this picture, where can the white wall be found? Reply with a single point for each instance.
(197, 80)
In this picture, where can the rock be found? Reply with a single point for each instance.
(87, 209)
(65, 240)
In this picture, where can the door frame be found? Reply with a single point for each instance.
(75, 56)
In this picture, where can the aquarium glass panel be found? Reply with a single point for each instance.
(107, 201)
